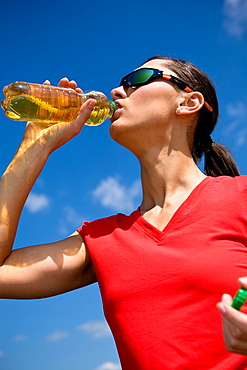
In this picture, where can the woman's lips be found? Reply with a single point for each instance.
(117, 112)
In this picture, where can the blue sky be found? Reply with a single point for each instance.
(96, 43)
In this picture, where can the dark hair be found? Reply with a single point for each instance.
(218, 160)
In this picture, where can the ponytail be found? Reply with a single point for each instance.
(219, 162)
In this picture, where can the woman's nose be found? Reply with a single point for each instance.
(118, 93)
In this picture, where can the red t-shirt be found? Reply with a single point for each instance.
(160, 288)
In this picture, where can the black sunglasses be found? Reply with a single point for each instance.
(143, 76)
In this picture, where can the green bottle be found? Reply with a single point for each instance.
(239, 298)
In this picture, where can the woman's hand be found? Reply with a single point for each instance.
(54, 136)
(234, 324)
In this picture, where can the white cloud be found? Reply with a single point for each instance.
(57, 335)
(109, 366)
(236, 110)
(236, 128)
(235, 21)
(70, 220)
(241, 137)
(20, 338)
(37, 202)
(71, 215)
(1, 353)
(97, 329)
(111, 194)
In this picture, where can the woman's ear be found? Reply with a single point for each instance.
(191, 104)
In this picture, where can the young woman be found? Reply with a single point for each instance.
(161, 270)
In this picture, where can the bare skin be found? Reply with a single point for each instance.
(160, 137)
(44, 270)
(168, 171)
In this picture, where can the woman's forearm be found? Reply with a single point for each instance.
(38, 143)
(15, 185)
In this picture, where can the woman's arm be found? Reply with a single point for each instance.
(46, 270)
(38, 143)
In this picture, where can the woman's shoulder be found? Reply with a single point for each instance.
(230, 181)
(106, 225)
(229, 185)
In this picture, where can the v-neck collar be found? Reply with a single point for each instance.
(152, 231)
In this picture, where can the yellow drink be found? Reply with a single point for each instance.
(35, 102)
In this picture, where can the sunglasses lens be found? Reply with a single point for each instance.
(139, 77)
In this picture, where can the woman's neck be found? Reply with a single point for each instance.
(167, 178)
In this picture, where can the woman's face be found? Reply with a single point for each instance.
(145, 112)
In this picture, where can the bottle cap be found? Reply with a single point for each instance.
(239, 298)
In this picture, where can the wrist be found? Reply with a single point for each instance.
(34, 148)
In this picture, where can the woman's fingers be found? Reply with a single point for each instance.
(66, 83)
(234, 326)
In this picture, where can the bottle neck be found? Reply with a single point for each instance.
(99, 97)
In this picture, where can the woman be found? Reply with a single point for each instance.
(162, 269)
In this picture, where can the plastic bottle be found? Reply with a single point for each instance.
(239, 298)
(38, 102)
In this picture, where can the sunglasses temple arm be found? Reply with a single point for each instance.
(208, 106)
(187, 89)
